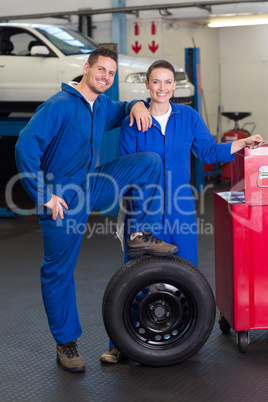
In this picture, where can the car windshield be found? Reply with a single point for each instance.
(69, 42)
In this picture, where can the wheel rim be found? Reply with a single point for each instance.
(160, 314)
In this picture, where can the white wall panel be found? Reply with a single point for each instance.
(243, 93)
(172, 37)
(244, 74)
(175, 40)
(145, 37)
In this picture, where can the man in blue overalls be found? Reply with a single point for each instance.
(56, 156)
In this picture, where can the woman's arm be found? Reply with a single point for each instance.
(250, 142)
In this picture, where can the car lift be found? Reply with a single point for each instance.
(11, 127)
(192, 68)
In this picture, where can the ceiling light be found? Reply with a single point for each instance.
(237, 22)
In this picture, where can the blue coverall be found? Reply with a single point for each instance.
(185, 130)
(56, 153)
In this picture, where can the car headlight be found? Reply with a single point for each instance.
(136, 78)
(140, 78)
(180, 77)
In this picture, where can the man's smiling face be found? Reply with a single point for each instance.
(101, 75)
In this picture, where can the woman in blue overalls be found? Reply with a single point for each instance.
(176, 129)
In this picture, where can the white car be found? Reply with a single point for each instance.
(35, 59)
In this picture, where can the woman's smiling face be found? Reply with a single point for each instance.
(161, 84)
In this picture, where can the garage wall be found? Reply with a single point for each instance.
(234, 65)
(177, 39)
(169, 41)
(234, 69)
(244, 74)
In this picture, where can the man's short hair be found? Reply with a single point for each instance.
(160, 64)
(101, 51)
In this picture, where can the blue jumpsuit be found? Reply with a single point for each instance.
(185, 130)
(56, 153)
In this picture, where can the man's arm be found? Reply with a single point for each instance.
(117, 111)
(30, 148)
(140, 113)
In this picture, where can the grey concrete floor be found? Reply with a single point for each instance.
(28, 372)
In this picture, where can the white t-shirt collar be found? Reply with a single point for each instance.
(74, 84)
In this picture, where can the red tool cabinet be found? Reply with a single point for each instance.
(241, 243)
(249, 178)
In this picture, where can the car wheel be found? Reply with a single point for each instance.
(158, 311)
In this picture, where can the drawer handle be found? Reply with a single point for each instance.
(263, 174)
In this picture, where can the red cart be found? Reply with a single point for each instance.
(241, 240)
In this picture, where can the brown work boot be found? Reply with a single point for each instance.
(69, 358)
(111, 356)
(148, 244)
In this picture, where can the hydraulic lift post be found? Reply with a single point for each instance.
(10, 127)
(192, 67)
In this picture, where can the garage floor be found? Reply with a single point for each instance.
(218, 372)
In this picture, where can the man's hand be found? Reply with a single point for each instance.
(140, 113)
(56, 204)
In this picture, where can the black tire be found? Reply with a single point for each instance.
(158, 311)
(242, 341)
(224, 324)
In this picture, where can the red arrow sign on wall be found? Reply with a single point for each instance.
(137, 47)
(153, 28)
(136, 28)
(153, 47)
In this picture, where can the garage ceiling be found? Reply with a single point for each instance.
(208, 8)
